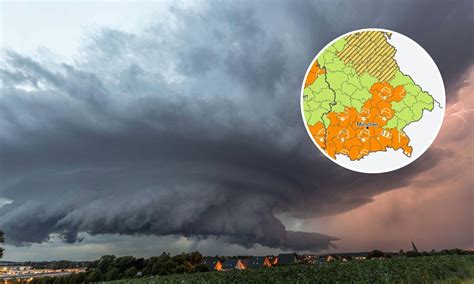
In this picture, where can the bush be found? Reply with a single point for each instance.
(123, 263)
(130, 273)
(78, 278)
(112, 274)
(105, 263)
(201, 268)
(94, 276)
(412, 254)
(376, 254)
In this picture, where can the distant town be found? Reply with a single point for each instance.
(13, 272)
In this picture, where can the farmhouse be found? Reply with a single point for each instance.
(233, 263)
(273, 259)
(258, 262)
(327, 258)
(213, 263)
(286, 259)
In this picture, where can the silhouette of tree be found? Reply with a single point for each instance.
(2, 239)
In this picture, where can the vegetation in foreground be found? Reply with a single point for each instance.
(410, 266)
(427, 269)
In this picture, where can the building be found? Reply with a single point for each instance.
(308, 259)
(233, 263)
(343, 256)
(273, 259)
(286, 259)
(213, 263)
(330, 258)
(359, 255)
(258, 262)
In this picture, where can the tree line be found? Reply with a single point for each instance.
(110, 267)
(2, 240)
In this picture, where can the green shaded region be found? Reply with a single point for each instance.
(317, 100)
(338, 46)
(406, 114)
(348, 88)
(357, 104)
(361, 95)
(411, 107)
(327, 55)
(336, 78)
(367, 81)
(319, 97)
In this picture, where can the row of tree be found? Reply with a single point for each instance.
(415, 253)
(110, 267)
(455, 251)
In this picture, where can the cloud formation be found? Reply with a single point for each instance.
(191, 127)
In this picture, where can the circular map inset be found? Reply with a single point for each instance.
(373, 101)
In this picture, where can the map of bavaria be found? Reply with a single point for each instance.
(357, 100)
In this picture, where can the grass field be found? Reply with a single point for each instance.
(432, 269)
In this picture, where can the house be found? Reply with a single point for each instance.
(308, 259)
(233, 263)
(330, 258)
(357, 255)
(258, 262)
(212, 263)
(286, 259)
(273, 259)
(327, 258)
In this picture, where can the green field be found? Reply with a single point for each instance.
(430, 269)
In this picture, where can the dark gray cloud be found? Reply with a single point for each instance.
(193, 128)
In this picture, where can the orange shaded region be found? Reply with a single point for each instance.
(356, 134)
(313, 74)
(319, 133)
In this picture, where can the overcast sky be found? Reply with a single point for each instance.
(135, 128)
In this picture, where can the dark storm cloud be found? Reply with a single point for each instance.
(188, 128)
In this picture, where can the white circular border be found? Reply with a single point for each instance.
(354, 168)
